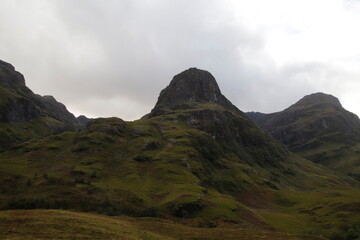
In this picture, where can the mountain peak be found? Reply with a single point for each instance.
(9, 76)
(7, 65)
(188, 87)
(193, 85)
(319, 98)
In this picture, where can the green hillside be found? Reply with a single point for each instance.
(318, 128)
(104, 170)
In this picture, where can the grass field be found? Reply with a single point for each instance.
(59, 224)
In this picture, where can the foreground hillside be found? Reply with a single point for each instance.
(101, 170)
(318, 128)
(58, 224)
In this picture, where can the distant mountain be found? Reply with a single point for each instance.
(25, 115)
(254, 116)
(195, 158)
(83, 120)
(318, 128)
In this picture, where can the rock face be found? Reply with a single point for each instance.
(20, 110)
(58, 111)
(10, 77)
(188, 88)
(83, 120)
(194, 97)
(25, 115)
(317, 127)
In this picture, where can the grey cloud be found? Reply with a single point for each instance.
(281, 88)
(112, 58)
(158, 41)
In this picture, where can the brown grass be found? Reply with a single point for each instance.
(59, 224)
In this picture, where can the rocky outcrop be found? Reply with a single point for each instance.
(10, 77)
(83, 120)
(20, 110)
(189, 88)
(25, 115)
(58, 111)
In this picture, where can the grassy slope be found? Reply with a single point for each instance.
(324, 212)
(15, 133)
(59, 224)
(302, 128)
(337, 150)
(341, 157)
(152, 168)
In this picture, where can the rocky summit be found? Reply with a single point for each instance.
(318, 128)
(312, 115)
(188, 88)
(331, 114)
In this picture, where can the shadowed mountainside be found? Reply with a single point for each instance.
(25, 115)
(320, 129)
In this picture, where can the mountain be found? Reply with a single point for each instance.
(194, 159)
(187, 90)
(83, 120)
(320, 129)
(25, 115)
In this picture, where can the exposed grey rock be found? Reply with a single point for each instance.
(189, 88)
(83, 120)
(21, 110)
(26, 115)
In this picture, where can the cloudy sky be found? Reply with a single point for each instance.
(113, 57)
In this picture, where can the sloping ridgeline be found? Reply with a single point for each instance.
(318, 128)
(25, 115)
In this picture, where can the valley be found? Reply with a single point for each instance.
(195, 167)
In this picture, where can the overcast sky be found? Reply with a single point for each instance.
(113, 57)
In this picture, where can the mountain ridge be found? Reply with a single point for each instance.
(318, 128)
(25, 115)
(196, 159)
